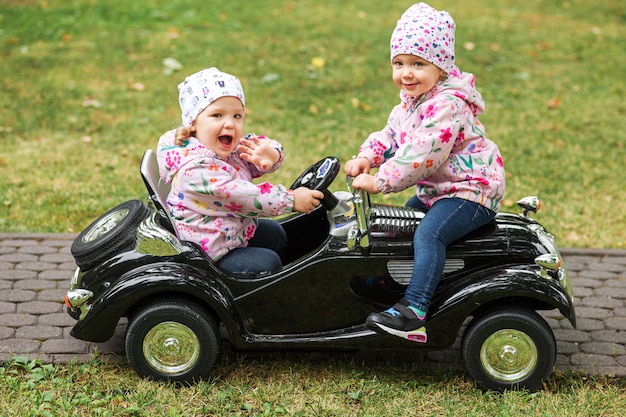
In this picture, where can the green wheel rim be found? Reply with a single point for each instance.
(509, 355)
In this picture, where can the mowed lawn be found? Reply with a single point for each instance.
(87, 86)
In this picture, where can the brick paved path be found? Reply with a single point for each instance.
(35, 271)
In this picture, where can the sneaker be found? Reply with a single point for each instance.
(401, 321)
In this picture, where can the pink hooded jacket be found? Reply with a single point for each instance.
(436, 143)
(213, 200)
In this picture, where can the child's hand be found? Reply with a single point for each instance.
(257, 151)
(357, 166)
(365, 182)
(305, 200)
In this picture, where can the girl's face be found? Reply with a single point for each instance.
(414, 75)
(219, 127)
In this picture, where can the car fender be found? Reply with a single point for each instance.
(156, 281)
(522, 285)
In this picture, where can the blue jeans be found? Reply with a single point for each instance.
(263, 252)
(446, 221)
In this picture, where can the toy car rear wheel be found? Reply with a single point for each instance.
(109, 234)
(173, 341)
(508, 349)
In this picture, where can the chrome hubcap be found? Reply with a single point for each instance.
(509, 355)
(171, 348)
(105, 225)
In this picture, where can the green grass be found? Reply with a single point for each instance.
(296, 385)
(85, 92)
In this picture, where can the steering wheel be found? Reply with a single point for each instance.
(319, 176)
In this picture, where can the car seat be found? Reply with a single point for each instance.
(157, 188)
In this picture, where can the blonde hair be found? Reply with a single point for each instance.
(182, 134)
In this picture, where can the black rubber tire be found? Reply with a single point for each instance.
(509, 349)
(174, 341)
(111, 233)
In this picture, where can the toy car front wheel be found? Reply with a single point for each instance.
(107, 235)
(172, 341)
(507, 349)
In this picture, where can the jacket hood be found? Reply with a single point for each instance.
(458, 84)
(171, 159)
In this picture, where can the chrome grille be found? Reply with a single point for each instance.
(394, 219)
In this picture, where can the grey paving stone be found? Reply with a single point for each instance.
(64, 346)
(56, 295)
(588, 283)
(612, 292)
(616, 336)
(15, 258)
(616, 323)
(18, 274)
(38, 332)
(591, 360)
(567, 348)
(16, 243)
(19, 346)
(17, 296)
(39, 307)
(57, 258)
(586, 273)
(603, 348)
(585, 324)
(34, 284)
(604, 302)
(606, 267)
(35, 265)
(594, 312)
(571, 335)
(56, 319)
(619, 283)
(17, 320)
(36, 249)
(6, 333)
(6, 308)
(63, 275)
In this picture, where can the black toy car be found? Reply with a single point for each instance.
(344, 260)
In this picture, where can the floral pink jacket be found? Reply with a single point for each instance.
(436, 143)
(213, 201)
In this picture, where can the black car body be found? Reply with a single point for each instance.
(344, 261)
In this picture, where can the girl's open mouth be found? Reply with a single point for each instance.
(225, 140)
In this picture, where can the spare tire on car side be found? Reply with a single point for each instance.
(111, 233)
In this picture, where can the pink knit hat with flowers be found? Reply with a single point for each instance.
(428, 33)
(203, 88)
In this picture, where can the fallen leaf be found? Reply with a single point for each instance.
(554, 103)
(318, 62)
(270, 78)
(358, 104)
(171, 65)
(91, 102)
(172, 33)
(138, 86)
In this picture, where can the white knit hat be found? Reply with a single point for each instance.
(427, 33)
(203, 88)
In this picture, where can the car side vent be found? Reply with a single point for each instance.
(401, 271)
